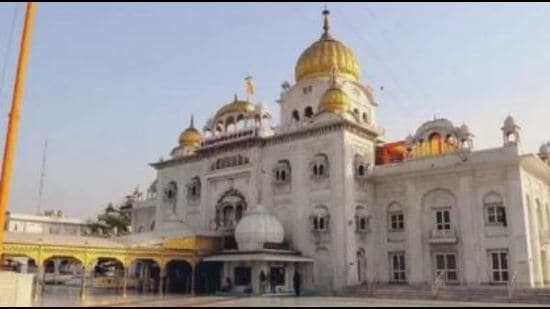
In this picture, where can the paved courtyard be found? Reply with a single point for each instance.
(59, 296)
(304, 302)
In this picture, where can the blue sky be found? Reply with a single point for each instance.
(110, 86)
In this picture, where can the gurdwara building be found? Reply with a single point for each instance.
(323, 193)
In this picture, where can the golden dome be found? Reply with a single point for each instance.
(237, 106)
(334, 99)
(319, 58)
(191, 137)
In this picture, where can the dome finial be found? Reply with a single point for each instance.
(192, 123)
(333, 76)
(326, 24)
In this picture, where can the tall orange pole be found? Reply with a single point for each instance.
(13, 121)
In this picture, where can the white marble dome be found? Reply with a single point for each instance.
(510, 122)
(257, 228)
(544, 151)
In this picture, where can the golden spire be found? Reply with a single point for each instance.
(326, 24)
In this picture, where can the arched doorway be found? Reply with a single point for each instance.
(323, 271)
(59, 275)
(208, 277)
(178, 277)
(361, 266)
(144, 276)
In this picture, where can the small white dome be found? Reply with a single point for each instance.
(510, 122)
(544, 150)
(257, 228)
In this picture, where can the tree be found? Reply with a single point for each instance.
(115, 220)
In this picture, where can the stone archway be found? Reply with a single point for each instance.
(179, 277)
(145, 276)
(208, 278)
(324, 274)
(230, 208)
(361, 266)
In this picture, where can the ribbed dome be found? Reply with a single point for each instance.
(334, 100)
(237, 106)
(325, 54)
(191, 137)
(257, 228)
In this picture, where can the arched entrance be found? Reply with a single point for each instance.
(361, 266)
(58, 275)
(208, 278)
(178, 277)
(144, 276)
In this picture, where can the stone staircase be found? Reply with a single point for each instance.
(484, 293)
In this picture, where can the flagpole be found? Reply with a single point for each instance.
(13, 121)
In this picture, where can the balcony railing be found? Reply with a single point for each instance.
(443, 236)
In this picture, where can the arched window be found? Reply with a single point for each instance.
(320, 219)
(308, 112)
(396, 218)
(319, 166)
(356, 111)
(365, 117)
(361, 165)
(194, 188)
(495, 213)
(239, 212)
(230, 124)
(296, 115)
(282, 172)
(171, 191)
(230, 209)
(228, 216)
(361, 220)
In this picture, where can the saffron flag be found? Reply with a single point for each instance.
(249, 86)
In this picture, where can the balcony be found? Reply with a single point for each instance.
(443, 237)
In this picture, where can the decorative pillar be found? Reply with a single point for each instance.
(146, 279)
(193, 279)
(56, 264)
(125, 282)
(162, 275)
(38, 284)
(83, 283)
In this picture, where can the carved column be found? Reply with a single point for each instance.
(162, 276)
(193, 279)
(125, 282)
(38, 288)
(83, 281)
